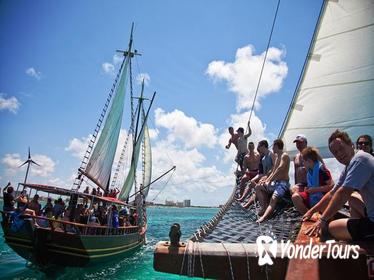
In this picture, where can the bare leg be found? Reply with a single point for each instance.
(250, 201)
(299, 203)
(243, 190)
(249, 187)
(269, 210)
(295, 189)
(338, 229)
(356, 205)
(263, 197)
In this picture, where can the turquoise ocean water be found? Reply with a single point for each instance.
(137, 266)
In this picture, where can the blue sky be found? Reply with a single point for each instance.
(202, 58)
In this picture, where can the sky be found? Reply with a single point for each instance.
(203, 58)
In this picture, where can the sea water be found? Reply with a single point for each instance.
(137, 266)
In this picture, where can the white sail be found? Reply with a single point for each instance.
(147, 160)
(336, 89)
(100, 163)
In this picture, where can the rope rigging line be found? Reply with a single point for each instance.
(162, 189)
(263, 63)
(230, 264)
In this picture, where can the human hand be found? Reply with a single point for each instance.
(310, 190)
(316, 228)
(307, 216)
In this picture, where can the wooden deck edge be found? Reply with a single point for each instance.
(214, 260)
(301, 268)
(329, 268)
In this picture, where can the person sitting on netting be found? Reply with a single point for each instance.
(299, 167)
(358, 175)
(319, 181)
(277, 185)
(365, 143)
(265, 169)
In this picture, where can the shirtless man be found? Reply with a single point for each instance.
(251, 164)
(267, 163)
(242, 145)
(300, 170)
(277, 184)
(233, 139)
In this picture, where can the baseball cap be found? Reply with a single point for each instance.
(300, 138)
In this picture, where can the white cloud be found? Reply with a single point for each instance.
(78, 146)
(117, 59)
(14, 161)
(12, 104)
(32, 72)
(193, 178)
(108, 68)
(153, 133)
(143, 76)
(188, 130)
(242, 75)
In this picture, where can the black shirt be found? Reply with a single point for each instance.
(8, 201)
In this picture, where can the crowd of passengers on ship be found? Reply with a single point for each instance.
(263, 179)
(92, 211)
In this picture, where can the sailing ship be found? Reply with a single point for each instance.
(335, 90)
(48, 241)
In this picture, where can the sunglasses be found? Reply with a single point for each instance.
(363, 143)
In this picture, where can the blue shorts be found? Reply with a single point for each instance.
(279, 189)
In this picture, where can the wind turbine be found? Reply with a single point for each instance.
(29, 161)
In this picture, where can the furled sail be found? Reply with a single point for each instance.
(100, 163)
(127, 185)
(336, 89)
(147, 160)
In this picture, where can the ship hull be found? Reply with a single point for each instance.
(44, 247)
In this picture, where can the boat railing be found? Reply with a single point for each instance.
(78, 228)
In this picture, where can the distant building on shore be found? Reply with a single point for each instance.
(170, 203)
(185, 203)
